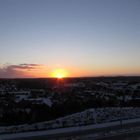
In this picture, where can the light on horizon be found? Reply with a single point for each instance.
(59, 73)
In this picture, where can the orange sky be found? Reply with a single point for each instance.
(75, 72)
(41, 70)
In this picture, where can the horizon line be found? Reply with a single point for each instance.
(107, 76)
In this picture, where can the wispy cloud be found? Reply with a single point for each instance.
(21, 70)
(25, 66)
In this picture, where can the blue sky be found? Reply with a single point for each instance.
(97, 37)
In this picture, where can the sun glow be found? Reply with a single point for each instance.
(59, 73)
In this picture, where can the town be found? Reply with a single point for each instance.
(42, 104)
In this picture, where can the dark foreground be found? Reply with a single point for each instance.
(134, 136)
(114, 131)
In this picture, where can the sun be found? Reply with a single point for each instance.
(59, 76)
(59, 73)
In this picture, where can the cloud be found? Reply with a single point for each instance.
(25, 66)
(18, 71)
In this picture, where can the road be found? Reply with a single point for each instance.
(100, 129)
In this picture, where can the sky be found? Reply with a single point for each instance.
(82, 37)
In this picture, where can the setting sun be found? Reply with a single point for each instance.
(59, 73)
